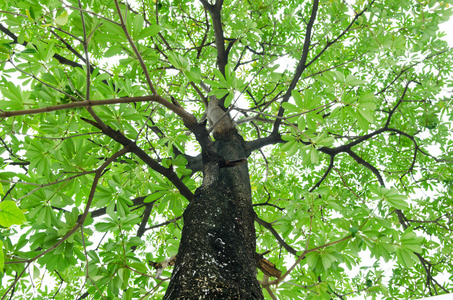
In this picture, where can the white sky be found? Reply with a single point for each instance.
(447, 27)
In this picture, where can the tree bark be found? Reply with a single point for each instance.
(216, 254)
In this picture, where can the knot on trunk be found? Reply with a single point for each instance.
(219, 120)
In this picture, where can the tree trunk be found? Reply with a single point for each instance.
(216, 254)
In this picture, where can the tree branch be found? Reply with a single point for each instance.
(281, 241)
(329, 168)
(269, 140)
(215, 11)
(410, 67)
(99, 171)
(186, 117)
(300, 66)
(87, 57)
(134, 48)
(164, 223)
(341, 34)
(153, 164)
(102, 211)
(58, 57)
(392, 111)
(367, 165)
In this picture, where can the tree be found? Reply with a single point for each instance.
(266, 149)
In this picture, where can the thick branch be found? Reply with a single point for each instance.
(153, 164)
(269, 140)
(194, 163)
(215, 11)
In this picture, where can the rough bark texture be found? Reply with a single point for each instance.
(216, 254)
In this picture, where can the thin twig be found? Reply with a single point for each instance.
(134, 48)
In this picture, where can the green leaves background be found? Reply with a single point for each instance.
(360, 163)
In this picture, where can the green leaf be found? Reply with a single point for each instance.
(291, 107)
(352, 80)
(312, 259)
(367, 97)
(106, 226)
(128, 294)
(314, 156)
(30, 14)
(148, 32)
(228, 100)
(327, 78)
(288, 137)
(113, 50)
(391, 196)
(327, 259)
(339, 75)
(363, 122)
(178, 61)
(410, 241)
(218, 74)
(62, 19)
(10, 214)
(366, 115)
(405, 257)
(396, 200)
(140, 267)
(290, 147)
(154, 196)
(29, 51)
(297, 98)
(194, 75)
(353, 230)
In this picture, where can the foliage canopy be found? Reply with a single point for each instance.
(345, 107)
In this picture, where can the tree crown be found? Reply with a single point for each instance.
(345, 109)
